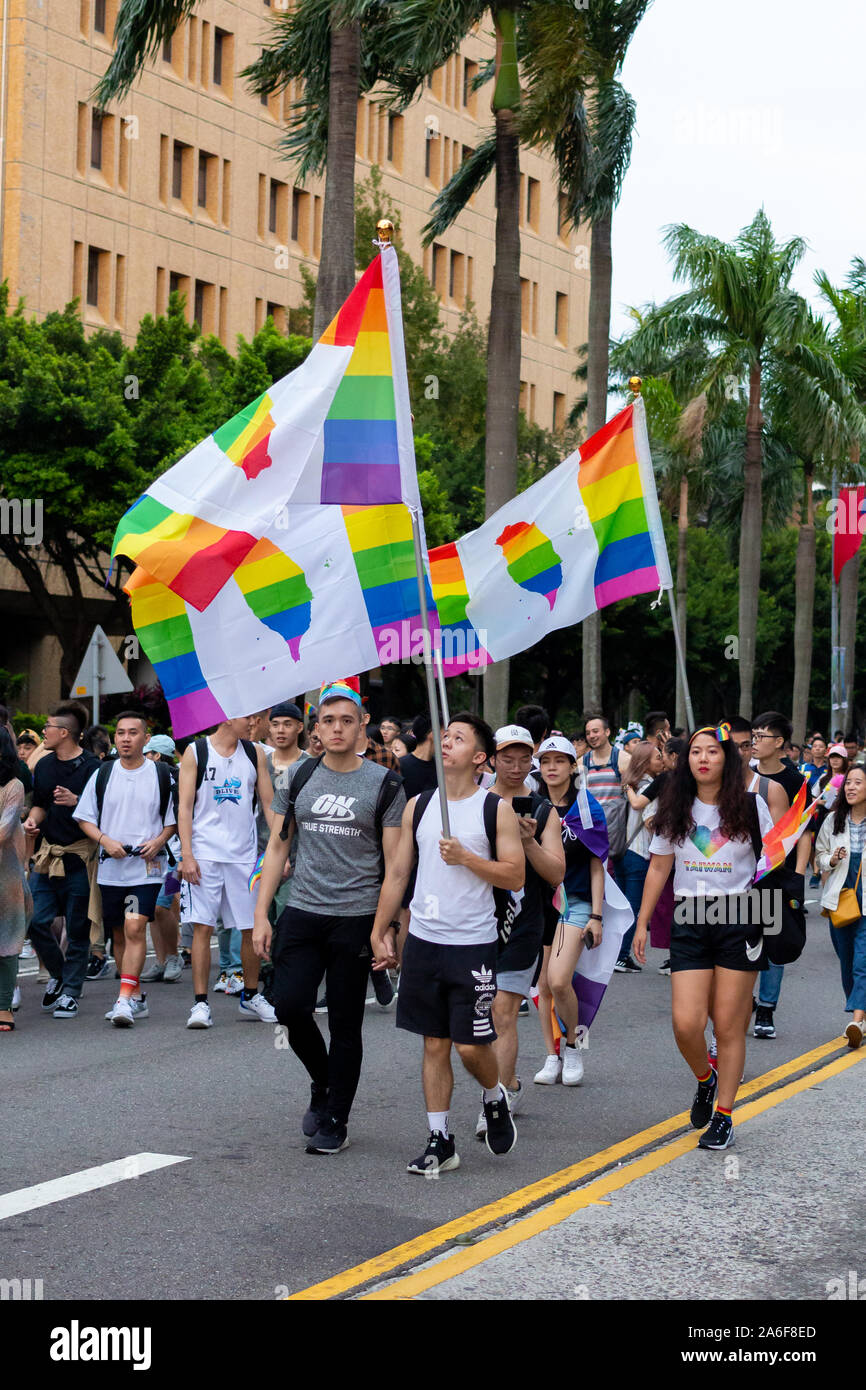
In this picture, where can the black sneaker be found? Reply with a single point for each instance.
(720, 1134)
(382, 988)
(97, 968)
(702, 1105)
(317, 1113)
(523, 1011)
(322, 1004)
(439, 1156)
(628, 966)
(186, 957)
(665, 967)
(53, 991)
(330, 1138)
(764, 1025)
(501, 1135)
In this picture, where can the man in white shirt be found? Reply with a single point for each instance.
(128, 808)
(448, 978)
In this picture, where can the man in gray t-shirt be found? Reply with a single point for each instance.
(346, 821)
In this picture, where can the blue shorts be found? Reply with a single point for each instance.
(578, 912)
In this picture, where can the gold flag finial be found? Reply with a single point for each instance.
(634, 385)
(384, 230)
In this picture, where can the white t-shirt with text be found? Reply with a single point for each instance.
(708, 862)
(130, 814)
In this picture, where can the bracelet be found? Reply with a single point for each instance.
(595, 917)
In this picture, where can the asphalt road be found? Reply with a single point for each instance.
(251, 1215)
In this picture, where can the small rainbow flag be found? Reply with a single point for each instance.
(532, 561)
(245, 438)
(778, 842)
(461, 648)
(612, 490)
(191, 556)
(257, 871)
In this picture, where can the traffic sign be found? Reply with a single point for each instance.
(101, 672)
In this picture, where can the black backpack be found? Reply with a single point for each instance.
(388, 789)
(200, 746)
(785, 946)
(167, 792)
(506, 905)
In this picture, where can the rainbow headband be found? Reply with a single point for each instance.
(721, 732)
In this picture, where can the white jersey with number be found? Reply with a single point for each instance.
(451, 905)
(223, 818)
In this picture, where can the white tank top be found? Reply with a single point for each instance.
(223, 820)
(452, 906)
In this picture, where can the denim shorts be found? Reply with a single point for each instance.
(578, 912)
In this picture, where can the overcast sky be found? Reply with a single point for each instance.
(739, 103)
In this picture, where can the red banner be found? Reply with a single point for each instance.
(848, 525)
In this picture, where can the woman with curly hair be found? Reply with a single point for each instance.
(706, 827)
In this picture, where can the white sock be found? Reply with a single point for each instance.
(438, 1122)
(493, 1092)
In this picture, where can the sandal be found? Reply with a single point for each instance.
(7, 1025)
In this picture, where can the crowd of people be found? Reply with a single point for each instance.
(316, 850)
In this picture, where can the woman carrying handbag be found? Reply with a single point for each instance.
(839, 856)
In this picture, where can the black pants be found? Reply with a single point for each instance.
(308, 946)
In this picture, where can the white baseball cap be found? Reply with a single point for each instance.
(512, 733)
(557, 744)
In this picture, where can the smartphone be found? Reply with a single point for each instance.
(522, 805)
(588, 939)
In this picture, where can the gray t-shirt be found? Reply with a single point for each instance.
(337, 866)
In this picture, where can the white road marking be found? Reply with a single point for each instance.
(58, 1189)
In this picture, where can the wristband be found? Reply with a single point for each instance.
(595, 917)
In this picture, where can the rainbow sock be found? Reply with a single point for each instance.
(128, 986)
(702, 1080)
(720, 1110)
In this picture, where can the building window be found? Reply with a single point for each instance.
(427, 157)
(202, 179)
(457, 278)
(470, 72)
(223, 58)
(533, 200)
(94, 258)
(524, 305)
(166, 50)
(560, 317)
(219, 36)
(301, 219)
(438, 261)
(99, 20)
(558, 411)
(562, 218)
(395, 140)
(272, 206)
(227, 192)
(96, 119)
(177, 170)
(277, 312)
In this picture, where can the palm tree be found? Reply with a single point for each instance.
(424, 35)
(324, 45)
(578, 106)
(741, 307)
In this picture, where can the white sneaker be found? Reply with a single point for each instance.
(515, 1097)
(235, 983)
(855, 1032)
(121, 1016)
(257, 1007)
(572, 1067)
(481, 1125)
(27, 951)
(550, 1072)
(139, 1007)
(16, 999)
(221, 986)
(200, 1016)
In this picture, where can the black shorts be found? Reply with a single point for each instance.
(119, 902)
(701, 945)
(447, 991)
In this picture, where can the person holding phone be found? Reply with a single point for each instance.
(521, 932)
(580, 928)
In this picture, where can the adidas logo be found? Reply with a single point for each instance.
(484, 978)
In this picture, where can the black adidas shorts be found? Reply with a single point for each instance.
(701, 945)
(447, 991)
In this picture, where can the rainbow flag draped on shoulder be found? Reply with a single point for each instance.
(586, 535)
(280, 549)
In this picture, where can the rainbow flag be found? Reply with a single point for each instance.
(256, 872)
(277, 592)
(587, 534)
(336, 431)
(612, 489)
(778, 842)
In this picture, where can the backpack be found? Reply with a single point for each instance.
(388, 789)
(615, 812)
(167, 793)
(786, 945)
(200, 746)
(506, 903)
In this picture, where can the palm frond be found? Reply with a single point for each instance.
(142, 27)
(459, 189)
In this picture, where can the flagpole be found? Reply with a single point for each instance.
(384, 237)
(681, 660)
(443, 694)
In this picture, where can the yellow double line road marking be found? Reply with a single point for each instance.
(518, 1202)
